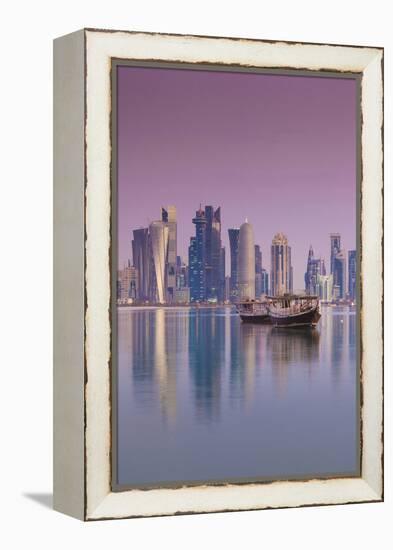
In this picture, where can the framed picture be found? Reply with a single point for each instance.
(218, 255)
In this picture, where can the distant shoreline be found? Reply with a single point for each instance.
(212, 306)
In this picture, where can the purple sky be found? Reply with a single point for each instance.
(279, 150)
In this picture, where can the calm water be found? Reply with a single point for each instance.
(204, 397)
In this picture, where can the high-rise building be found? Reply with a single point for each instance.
(141, 258)
(197, 258)
(340, 273)
(221, 288)
(335, 247)
(352, 274)
(227, 295)
(159, 236)
(325, 287)
(265, 282)
(258, 271)
(168, 216)
(246, 262)
(182, 295)
(128, 282)
(338, 267)
(213, 253)
(234, 250)
(181, 273)
(315, 267)
(281, 275)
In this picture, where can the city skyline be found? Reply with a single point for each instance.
(163, 276)
(257, 133)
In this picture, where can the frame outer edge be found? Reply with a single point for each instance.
(103, 504)
(68, 290)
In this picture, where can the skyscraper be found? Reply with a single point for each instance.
(258, 271)
(159, 235)
(141, 260)
(281, 275)
(340, 274)
(168, 216)
(227, 294)
(335, 246)
(181, 273)
(213, 254)
(352, 274)
(246, 262)
(221, 288)
(325, 287)
(234, 250)
(265, 282)
(197, 258)
(128, 279)
(315, 267)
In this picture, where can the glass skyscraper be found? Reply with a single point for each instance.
(197, 258)
(213, 254)
(352, 274)
(281, 275)
(141, 260)
(159, 236)
(258, 271)
(335, 247)
(315, 268)
(340, 275)
(168, 216)
(234, 250)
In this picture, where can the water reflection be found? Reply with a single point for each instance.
(292, 347)
(187, 370)
(206, 358)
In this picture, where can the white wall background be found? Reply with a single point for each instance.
(26, 257)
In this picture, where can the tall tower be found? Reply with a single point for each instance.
(168, 216)
(340, 274)
(141, 261)
(281, 275)
(246, 262)
(258, 271)
(307, 275)
(265, 282)
(197, 258)
(221, 288)
(315, 268)
(335, 247)
(159, 234)
(352, 274)
(234, 250)
(213, 252)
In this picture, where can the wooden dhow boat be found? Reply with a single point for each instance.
(294, 310)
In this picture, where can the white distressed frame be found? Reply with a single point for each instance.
(100, 47)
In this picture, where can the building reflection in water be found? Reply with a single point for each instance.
(142, 336)
(338, 351)
(216, 349)
(153, 372)
(206, 358)
(248, 357)
(165, 370)
(197, 381)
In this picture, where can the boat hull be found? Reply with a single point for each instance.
(260, 319)
(308, 318)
